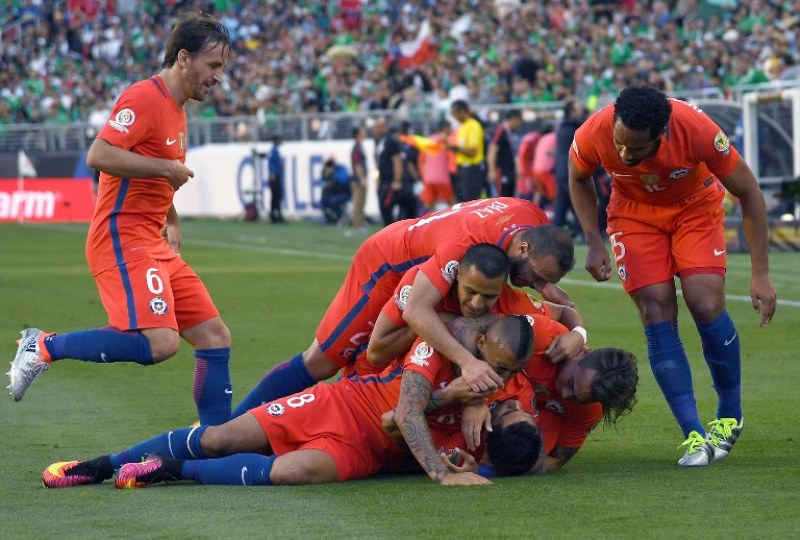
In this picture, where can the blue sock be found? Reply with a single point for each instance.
(106, 344)
(672, 372)
(212, 385)
(721, 348)
(283, 380)
(235, 470)
(181, 443)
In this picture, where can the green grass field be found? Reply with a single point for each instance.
(272, 285)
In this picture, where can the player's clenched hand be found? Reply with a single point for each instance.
(474, 419)
(172, 234)
(764, 297)
(480, 376)
(597, 262)
(564, 346)
(390, 426)
(468, 463)
(179, 174)
(464, 479)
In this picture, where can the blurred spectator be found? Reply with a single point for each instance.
(544, 160)
(276, 177)
(435, 167)
(573, 117)
(389, 157)
(501, 160)
(469, 151)
(525, 156)
(359, 178)
(484, 51)
(335, 190)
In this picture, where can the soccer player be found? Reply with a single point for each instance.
(151, 295)
(540, 255)
(331, 432)
(480, 285)
(670, 165)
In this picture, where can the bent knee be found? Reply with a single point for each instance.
(164, 343)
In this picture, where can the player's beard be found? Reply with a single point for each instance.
(199, 91)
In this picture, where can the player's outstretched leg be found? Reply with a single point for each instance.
(152, 470)
(235, 470)
(77, 473)
(29, 362)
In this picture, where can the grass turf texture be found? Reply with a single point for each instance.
(272, 285)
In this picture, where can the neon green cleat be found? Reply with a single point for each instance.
(722, 436)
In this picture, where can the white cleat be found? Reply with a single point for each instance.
(722, 436)
(27, 365)
(698, 452)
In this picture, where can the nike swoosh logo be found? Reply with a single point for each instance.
(244, 470)
(103, 357)
(729, 341)
(170, 142)
(718, 252)
(228, 391)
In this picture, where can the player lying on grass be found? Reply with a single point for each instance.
(540, 255)
(331, 432)
(571, 397)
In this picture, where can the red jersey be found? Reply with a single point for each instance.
(692, 150)
(511, 301)
(130, 212)
(439, 240)
(574, 420)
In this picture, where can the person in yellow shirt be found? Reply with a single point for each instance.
(469, 150)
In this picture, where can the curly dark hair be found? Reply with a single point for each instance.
(615, 385)
(643, 107)
(514, 449)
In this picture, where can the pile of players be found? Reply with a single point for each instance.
(439, 356)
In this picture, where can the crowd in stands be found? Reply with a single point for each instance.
(67, 60)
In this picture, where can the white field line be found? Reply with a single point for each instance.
(262, 248)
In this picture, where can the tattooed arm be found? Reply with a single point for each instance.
(415, 391)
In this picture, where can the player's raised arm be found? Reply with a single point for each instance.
(421, 317)
(744, 186)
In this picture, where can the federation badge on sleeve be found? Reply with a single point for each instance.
(123, 119)
(421, 354)
(402, 297)
(158, 305)
(721, 142)
(449, 271)
(275, 409)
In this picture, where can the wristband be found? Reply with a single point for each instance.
(487, 471)
(582, 331)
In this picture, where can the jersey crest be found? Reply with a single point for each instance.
(421, 354)
(123, 119)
